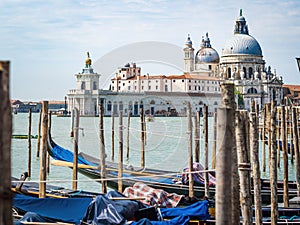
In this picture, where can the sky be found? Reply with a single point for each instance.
(46, 41)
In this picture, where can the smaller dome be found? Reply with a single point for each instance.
(207, 55)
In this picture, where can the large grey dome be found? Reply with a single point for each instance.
(242, 44)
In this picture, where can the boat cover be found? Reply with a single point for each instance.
(180, 220)
(153, 196)
(104, 211)
(60, 153)
(198, 210)
(63, 209)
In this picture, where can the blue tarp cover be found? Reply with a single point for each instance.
(64, 209)
(180, 220)
(198, 209)
(104, 211)
(60, 153)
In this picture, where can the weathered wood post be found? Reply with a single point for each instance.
(244, 166)
(268, 125)
(29, 142)
(128, 134)
(142, 138)
(196, 139)
(72, 123)
(43, 153)
(285, 157)
(214, 146)
(292, 152)
(190, 149)
(49, 130)
(5, 146)
(102, 150)
(263, 134)
(120, 168)
(225, 144)
(273, 166)
(113, 133)
(254, 148)
(279, 130)
(75, 149)
(39, 136)
(296, 147)
(205, 137)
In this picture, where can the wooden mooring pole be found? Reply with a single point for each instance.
(196, 139)
(205, 137)
(254, 149)
(75, 149)
(128, 134)
(120, 168)
(273, 166)
(39, 136)
(113, 134)
(263, 141)
(43, 153)
(142, 120)
(29, 142)
(190, 149)
(214, 146)
(225, 211)
(5, 146)
(296, 147)
(285, 156)
(244, 165)
(102, 150)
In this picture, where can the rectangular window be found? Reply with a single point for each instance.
(128, 88)
(166, 88)
(156, 87)
(207, 88)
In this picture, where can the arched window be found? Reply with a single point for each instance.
(252, 91)
(94, 85)
(250, 72)
(215, 103)
(245, 72)
(229, 72)
(152, 102)
(82, 85)
(109, 106)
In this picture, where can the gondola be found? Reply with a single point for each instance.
(158, 179)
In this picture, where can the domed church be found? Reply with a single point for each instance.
(241, 62)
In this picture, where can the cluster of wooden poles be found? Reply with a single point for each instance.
(238, 156)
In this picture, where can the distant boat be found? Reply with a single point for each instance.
(23, 136)
(149, 118)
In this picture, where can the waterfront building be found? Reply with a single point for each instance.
(241, 63)
(86, 95)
